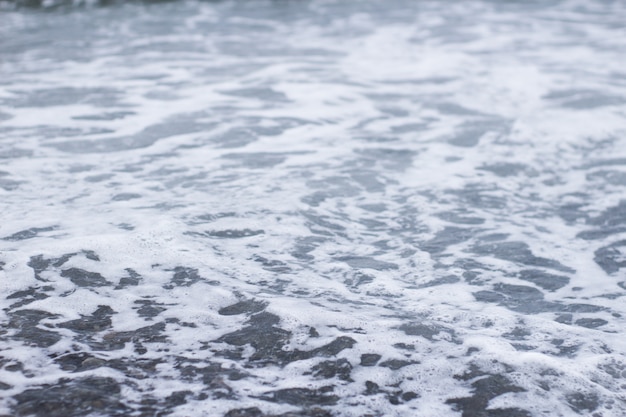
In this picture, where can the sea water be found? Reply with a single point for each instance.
(313, 208)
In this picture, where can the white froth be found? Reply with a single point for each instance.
(397, 175)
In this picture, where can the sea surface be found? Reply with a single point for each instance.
(314, 208)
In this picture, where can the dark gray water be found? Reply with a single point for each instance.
(313, 208)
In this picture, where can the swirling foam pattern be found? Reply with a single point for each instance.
(313, 208)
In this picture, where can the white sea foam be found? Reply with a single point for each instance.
(389, 209)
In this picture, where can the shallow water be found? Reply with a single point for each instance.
(250, 208)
